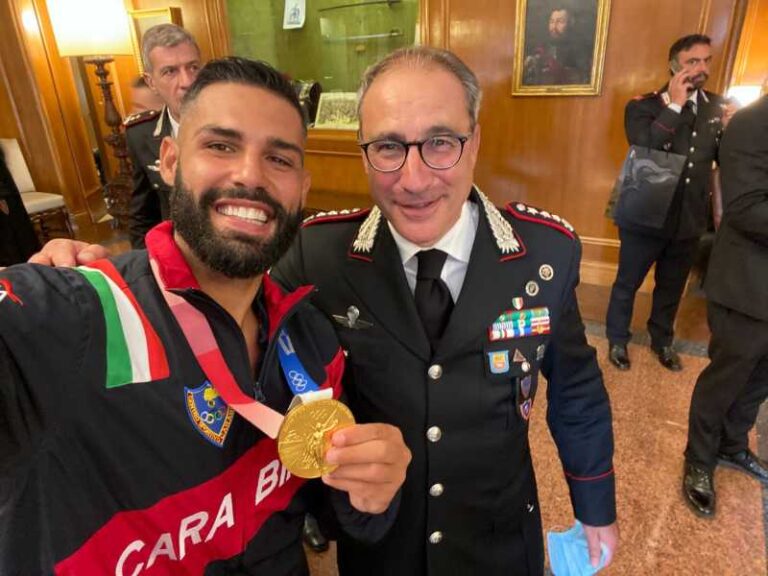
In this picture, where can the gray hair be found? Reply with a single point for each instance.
(424, 57)
(165, 35)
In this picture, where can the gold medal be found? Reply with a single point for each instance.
(305, 436)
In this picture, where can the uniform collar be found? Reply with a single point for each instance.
(694, 97)
(503, 234)
(165, 117)
(457, 242)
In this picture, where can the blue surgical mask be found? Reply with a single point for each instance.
(569, 553)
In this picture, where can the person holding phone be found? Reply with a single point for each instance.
(681, 118)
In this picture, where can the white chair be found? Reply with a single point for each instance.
(41, 206)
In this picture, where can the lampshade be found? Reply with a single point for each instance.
(90, 27)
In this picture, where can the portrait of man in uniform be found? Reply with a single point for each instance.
(558, 43)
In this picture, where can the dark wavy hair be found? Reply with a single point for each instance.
(243, 71)
(687, 42)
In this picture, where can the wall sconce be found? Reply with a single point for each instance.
(97, 30)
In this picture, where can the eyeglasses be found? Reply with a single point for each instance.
(440, 152)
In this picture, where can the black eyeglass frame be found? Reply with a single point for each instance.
(419, 145)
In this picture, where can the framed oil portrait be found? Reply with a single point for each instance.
(560, 47)
(337, 110)
(143, 20)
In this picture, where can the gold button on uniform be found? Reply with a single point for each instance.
(436, 490)
(435, 371)
(436, 537)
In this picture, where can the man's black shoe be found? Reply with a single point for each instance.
(746, 461)
(668, 358)
(313, 537)
(698, 490)
(617, 354)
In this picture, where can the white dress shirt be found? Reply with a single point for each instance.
(694, 100)
(174, 125)
(457, 243)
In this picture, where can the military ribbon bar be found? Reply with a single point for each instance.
(520, 323)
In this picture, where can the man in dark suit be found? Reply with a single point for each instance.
(450, 310)
(730, 390)
(685, 119)
(171, 61)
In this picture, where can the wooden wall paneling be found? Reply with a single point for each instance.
(216, 17)
(334, 160)
(751, 66)
(564, 152)
(49, 126)
(30, 126)
(61, 106)
(8, 120)
(196, 17)
(731, 48)
(558, 152)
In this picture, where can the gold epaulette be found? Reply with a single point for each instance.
(139, 117)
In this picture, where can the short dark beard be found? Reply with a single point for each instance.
(234, 255)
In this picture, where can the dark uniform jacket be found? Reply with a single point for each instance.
(469, 503)
(738, 268)
(103, 473)
(149, 200)
(649, 122)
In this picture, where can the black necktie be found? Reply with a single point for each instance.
(433, 299)
(689, 116)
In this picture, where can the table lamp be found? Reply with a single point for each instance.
(97, 30)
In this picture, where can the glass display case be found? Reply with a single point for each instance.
(335, 44)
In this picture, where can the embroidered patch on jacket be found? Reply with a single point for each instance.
(209, 413)
(498, 361)
(520, 323)
(6, 291)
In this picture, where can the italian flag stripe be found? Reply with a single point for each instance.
(158, 362)
(134, 351)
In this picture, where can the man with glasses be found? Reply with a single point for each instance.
(449, 309)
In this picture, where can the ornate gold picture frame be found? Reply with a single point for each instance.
(560, 47)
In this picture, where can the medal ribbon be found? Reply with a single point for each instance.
(297, 377)
(200, 338)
